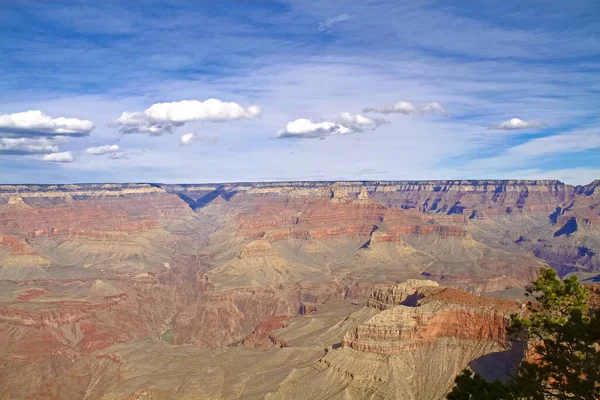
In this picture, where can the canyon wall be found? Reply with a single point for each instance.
(92, 274)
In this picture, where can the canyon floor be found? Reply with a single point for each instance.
(281, 290)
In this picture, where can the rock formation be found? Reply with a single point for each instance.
(281, 289)
(416, 314)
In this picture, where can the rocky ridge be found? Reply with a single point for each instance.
(92, 276)
(416, 313)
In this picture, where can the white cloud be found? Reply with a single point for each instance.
(139, 122)
(161, 118)
(21, 146)
(516, 123)
(36, 123)
(406, 108)
(100, 150)
(345, 123)
(327, 25)
(305, 128)
(188, 139)
(64, 157)
(357, 120)
(194, 110)
(496, 90)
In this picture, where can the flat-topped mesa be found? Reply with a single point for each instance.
(311, 188)
(81, 188)
(438, 313)
(477, 198)
(472, 198)
(392, 296)
(379, 236)
(305, 187)
(88, 213)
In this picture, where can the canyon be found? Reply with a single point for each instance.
(278, 290)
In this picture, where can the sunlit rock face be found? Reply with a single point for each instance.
(416, 313)
(341, 287)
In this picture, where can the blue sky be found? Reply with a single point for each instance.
(303, 90)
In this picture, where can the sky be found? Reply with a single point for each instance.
(265, 90)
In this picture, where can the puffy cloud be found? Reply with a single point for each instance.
(355, 121)
(305, 128)
(36, 123)
(516, 123)
(161, 118)
(139, 122)
(100, 150)
(111, 150)
(21, 146)
(194, 110)
(345, 123)
(64, 157)
(406, 108)
(189, 138)
(327, 25)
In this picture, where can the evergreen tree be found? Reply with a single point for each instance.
(564, 347)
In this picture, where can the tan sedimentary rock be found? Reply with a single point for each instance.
(436, 312)
(16, 201)
(143, 265)
(392, 296)
(257, 248)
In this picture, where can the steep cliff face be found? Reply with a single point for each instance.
(320, 228)
(127, 228)
(326, 231)
(414, 352)
(406, 293)
(91, 276)
(473, 198)
(391, 350)
(18, 260)
(383, 353)
(454, 197)
(538, 212)
(415, 314)
(97, 214)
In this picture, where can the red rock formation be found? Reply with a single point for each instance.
(322, 219)
(263, 331)
(392, 296)
(437, 312)
(16, 246)
(53, 323)
(235, 314)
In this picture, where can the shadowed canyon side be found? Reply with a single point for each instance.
(277, 290)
